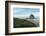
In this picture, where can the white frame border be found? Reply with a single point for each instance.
(13, 30)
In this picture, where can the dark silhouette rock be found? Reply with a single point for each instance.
(31, 16)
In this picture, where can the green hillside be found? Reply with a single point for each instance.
(19, 23)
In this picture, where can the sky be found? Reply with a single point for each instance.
(26, 12)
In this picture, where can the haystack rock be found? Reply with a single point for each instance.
(31, 16)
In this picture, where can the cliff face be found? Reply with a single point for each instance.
(35, 21)
(23, 23)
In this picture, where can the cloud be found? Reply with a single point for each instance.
(25, 12)
(21, 16)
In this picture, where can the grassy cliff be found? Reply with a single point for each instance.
(18, 23)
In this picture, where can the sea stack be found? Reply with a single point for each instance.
(31, 16)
